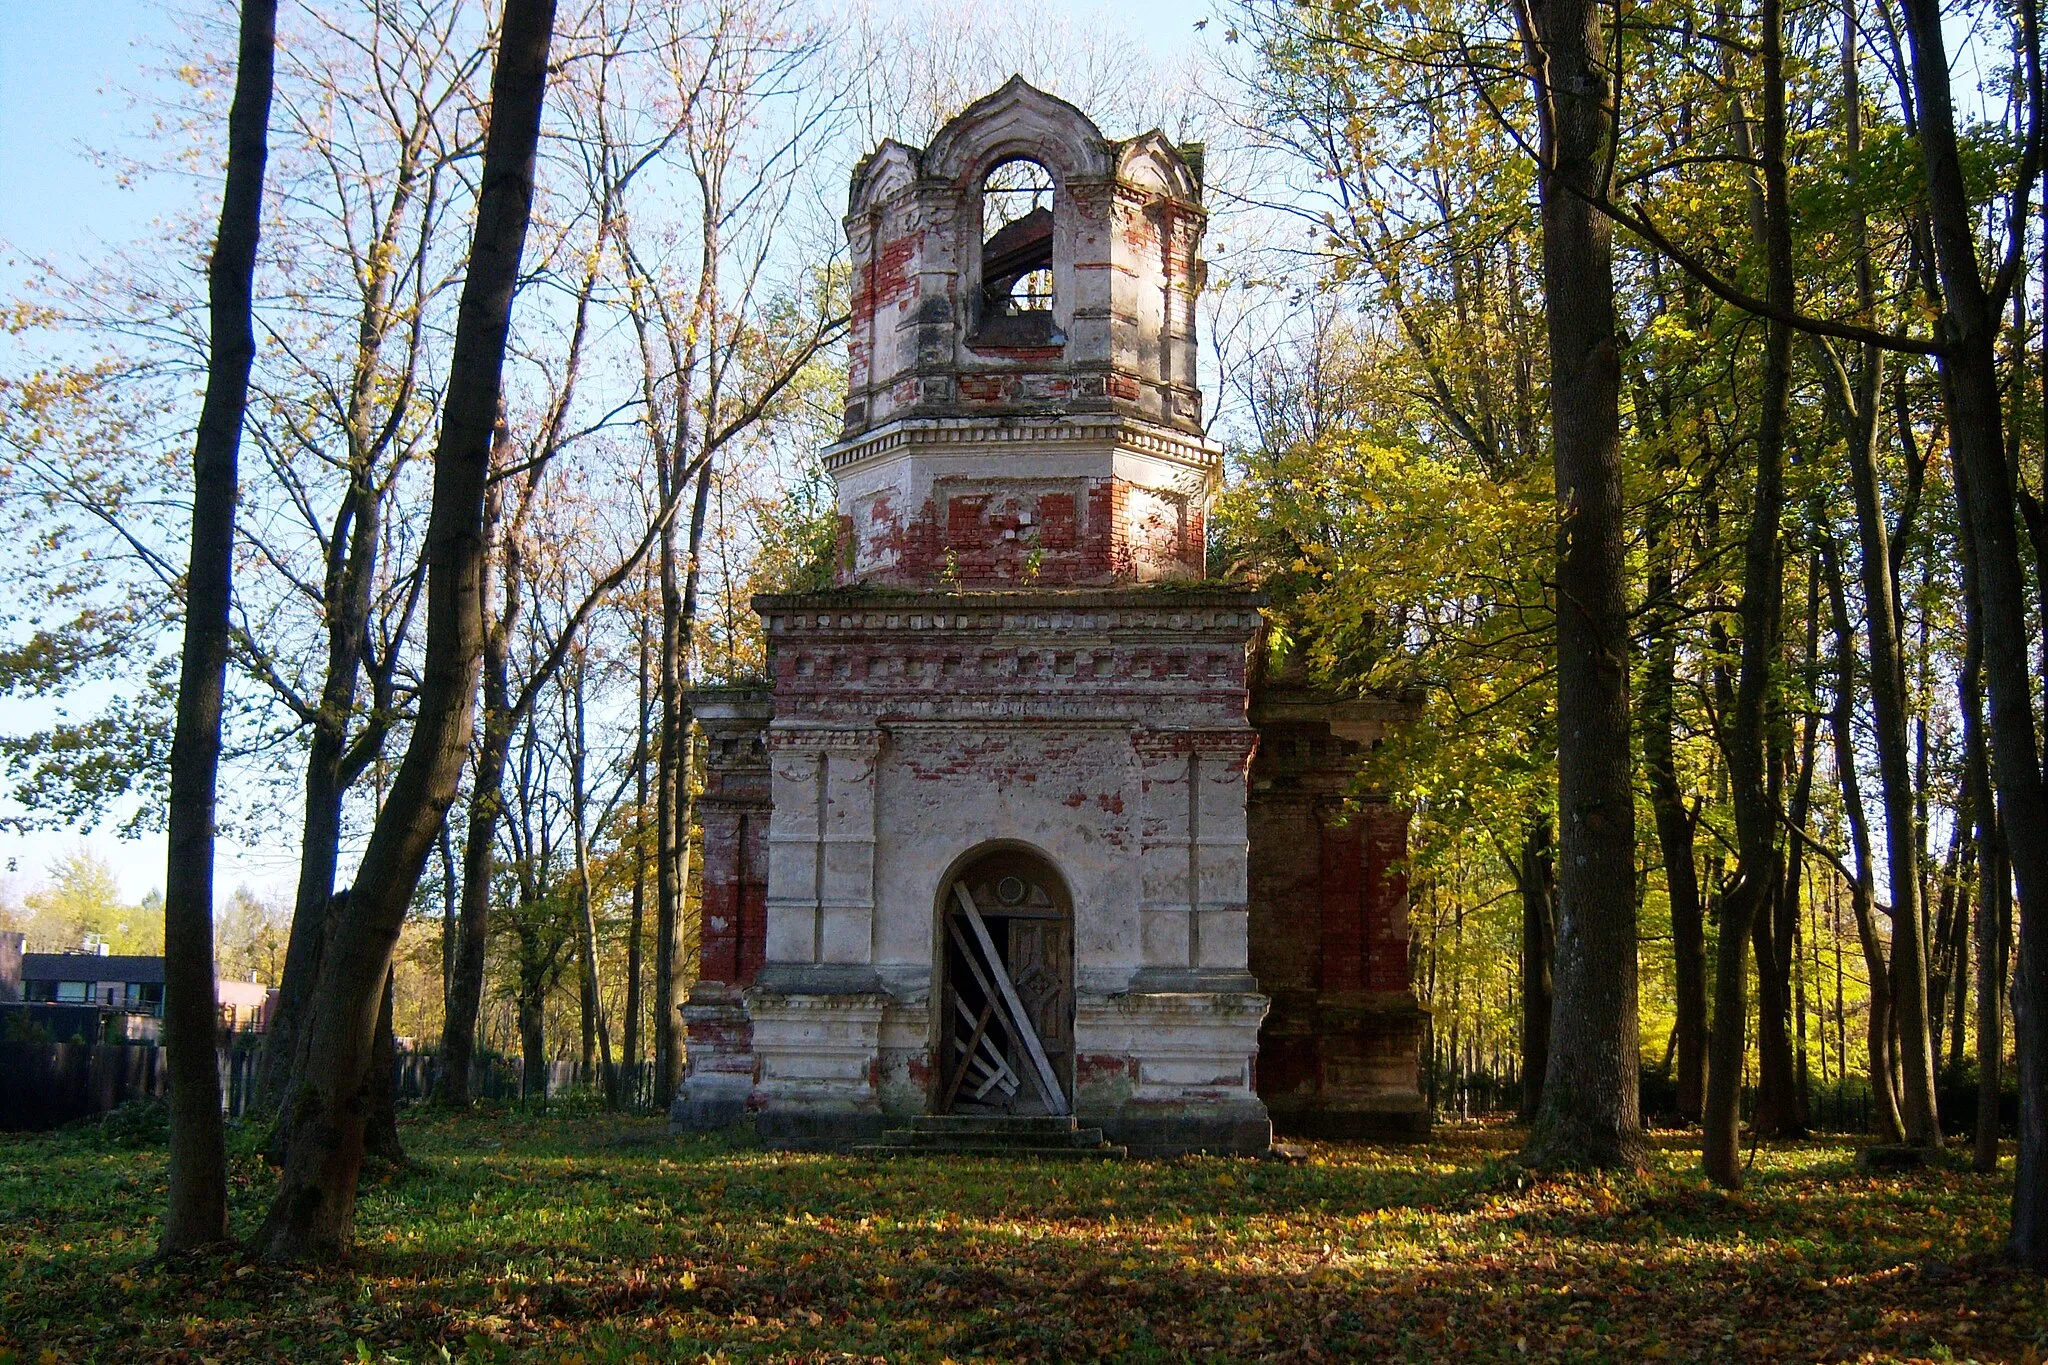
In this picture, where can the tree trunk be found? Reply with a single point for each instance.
(1800, 1009)
(380, 1089)
(197, 1214)
(1841, 725)
(486, 807)
(679, 616)
(532, 1010)
(1536, 877)
(586, 920)
(631, 1041)
(1780, 1104)
(1759, 869)
(314, 1210)
(1888, 705)
(1944, 965)
(348, 599)
(1985, 497)
(1591, 1090)
(319, 853)
(1959, 969)
(1675, 827)
(671, 870)
(451, 903)
(1993, 872)
(1992, 918)
(1777, 1091)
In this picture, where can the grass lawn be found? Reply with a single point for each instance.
(597, 1239)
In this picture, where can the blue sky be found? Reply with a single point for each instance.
(70, 77)
(64, 70)
(66, 76)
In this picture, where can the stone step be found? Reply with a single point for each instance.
(1052, 1137)
(1005, 1124)
(927, 1140)
(1099, 1152)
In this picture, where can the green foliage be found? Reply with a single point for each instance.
(1407, 565)
(86, 591)
(1394, 492)
(249, 938)
(799, 542)
(72, 774)
(133, 1123)
(81, 901)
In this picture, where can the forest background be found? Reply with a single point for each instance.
(1376, 367)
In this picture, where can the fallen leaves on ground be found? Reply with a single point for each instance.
(590, 1240)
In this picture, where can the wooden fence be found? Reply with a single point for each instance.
(46, 1085)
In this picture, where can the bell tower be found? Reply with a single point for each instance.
(980, 849)
(1021, 407)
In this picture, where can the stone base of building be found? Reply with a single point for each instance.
(815, 1049)
(1163, 1073)
(1167, 1072)
(1343, 1064)
(702, 1112)
(719, 1060)
(1230, 1130)
(789, 1129)
(1396, 1121)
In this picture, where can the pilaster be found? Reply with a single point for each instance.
(821, 850)
(1194, 851)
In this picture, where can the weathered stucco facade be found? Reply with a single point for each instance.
(988, 839)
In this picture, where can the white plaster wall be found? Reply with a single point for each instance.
(1068, 792)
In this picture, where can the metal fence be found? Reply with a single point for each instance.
(503, 1080)
(1838, 1107)
(45, 1084)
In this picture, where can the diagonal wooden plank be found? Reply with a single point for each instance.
(988, 993)
(1047, 1079)
(973, 1046)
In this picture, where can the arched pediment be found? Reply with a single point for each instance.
(1153, 163)
(1019, 120)
(880, 175)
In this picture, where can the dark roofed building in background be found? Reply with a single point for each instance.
(133, 983)
(116, 982)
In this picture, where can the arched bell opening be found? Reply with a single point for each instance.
(1005, 988)
(1017, 297)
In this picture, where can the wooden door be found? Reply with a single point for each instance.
(1025, 910)
(1041, 963)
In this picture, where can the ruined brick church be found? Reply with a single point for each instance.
(1018, 830)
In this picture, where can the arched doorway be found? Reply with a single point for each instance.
(1006, 988)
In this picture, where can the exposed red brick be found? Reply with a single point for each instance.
(1342, 906)
(1058, 530)
(986, 388)
(890, 273)
(1329, 931)
(734, 810)
(1006, 538)
(964, 527)
(1104, 1068)
(1386, 909)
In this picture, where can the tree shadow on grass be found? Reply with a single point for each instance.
(544, 1240)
